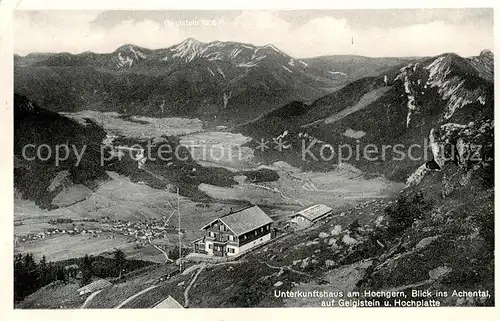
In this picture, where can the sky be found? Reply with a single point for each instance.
(301, 34)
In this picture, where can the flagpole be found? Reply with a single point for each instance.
(179, 213)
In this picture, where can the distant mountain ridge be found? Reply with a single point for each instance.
(226, 80)
(353, 67)
(191, 79)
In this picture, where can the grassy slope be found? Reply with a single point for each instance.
(464, 246)
(37, 126)
(462, 221)
(54, 296)
(251, 282)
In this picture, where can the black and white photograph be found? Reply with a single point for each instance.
(301, 158)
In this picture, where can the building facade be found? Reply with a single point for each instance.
(235, 233)
(310, 215)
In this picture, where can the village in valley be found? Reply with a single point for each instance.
(152, 229)
(228, 238)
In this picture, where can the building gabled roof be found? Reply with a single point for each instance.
(314, 212)
(244, 221)
(95, 286)
(197, 240)
(168, 303)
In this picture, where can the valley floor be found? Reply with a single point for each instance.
(128, 201)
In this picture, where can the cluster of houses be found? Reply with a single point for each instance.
(54, 231)
(228, 235)
(139, 230)
(240, 231)
(144, 230)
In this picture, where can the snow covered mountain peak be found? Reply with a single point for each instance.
(128, 54)
(214, 53)
(273, 47)
(188, 49)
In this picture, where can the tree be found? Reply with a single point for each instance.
(174, 253)
(103, 269)
(406, 210)
(87, 271)
(30, 273)
(119, 261)
(19, 278)
(30, 276)
(354, 226)
(43, 272)
(26, 276)
(61, 274)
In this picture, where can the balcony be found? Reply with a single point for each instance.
(221, 239)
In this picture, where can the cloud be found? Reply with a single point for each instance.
(53, 31)
(327, 35)
(63, 32)
(321, 35)
(427, 39)
(146, 33)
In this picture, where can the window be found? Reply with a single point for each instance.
(221, 227)
(244, 237)
(211, 234)
(230, 250)
(267, 227)
(255, 232)
(210, 246)
(262, 229)
(231, 238)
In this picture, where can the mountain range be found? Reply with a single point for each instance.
(399, 106)
(438, 235)
(225, 80)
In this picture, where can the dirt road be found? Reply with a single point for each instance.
(90, 297)
(119, 306)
